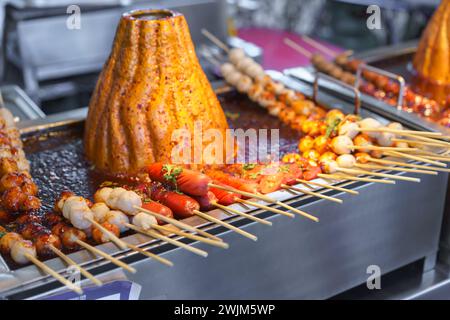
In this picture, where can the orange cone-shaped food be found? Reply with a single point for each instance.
(432, 59)
(151, 85)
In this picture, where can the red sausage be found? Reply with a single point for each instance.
(207, 201)
(158, 208)
(235, 182)
(224, 197)
(181, 205)
(188, 181)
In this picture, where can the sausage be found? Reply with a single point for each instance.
(235, 182)
(207, 201)
(158, 208)
(188, 181)
(224, 197)
(181, 205)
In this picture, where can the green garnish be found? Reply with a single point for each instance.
(254, 175)
(231, 115)
(332, 127)
(249, 166)
(171, 174)
(2, 233)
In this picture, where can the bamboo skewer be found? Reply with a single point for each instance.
(297, 48)
(377, 174)
(417, 158)
(430, 157)
(226, 225)
(322, 185)
(352, 178)
(311, 193)
(318, 46)
(406, 164)
(121, 244)
(156, 235)
(261, 206)
(150, 255)
(437, 141)
(419, 142)
(245, 215)
(215, 40)
(379, 167)
(106, 256)
(215, 243)
(377, 148)
(70, 262)
(266, 199)
(402, 132)
(178, 224)
(54, 274)
(433, 154)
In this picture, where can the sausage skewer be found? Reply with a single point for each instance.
(266, 199)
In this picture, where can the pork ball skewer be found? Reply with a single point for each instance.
(23, 251)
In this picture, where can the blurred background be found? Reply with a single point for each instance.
(57, 66)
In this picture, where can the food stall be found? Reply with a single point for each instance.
(96, 203)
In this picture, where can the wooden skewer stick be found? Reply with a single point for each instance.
(352, 178)
(297, 48)
(377, 174)
(379, 167)
(150, 255)
(322, 185)
(121, 244)
(418, 142)
(178, 224)
(406, 164)
(318, 46)
(437, 141)
(417, 158)
(261, 206)
(54, 274)
(242, 214)
(226, 225)
(265, 198)
(106, 256)
(70, 262)
(401, 132)
(215, 40)
(439, 158)
(219, 244)
(174, 242)
(377, 148)
(311, 193)
(433, 154)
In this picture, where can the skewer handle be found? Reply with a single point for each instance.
(70, 262)
(174, 242)
(108, 257)
(243, 214)
(226, 225)
(215, 243)
(54, 274)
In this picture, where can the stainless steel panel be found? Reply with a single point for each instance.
(20, 104)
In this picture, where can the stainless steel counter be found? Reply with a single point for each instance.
(386, 225)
